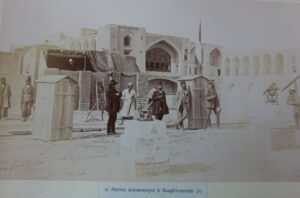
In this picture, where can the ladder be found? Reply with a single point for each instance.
(100, 101)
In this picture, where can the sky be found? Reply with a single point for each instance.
(238, 25)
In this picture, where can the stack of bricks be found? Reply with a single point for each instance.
(84, 90)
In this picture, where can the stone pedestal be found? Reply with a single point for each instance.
(144, 148)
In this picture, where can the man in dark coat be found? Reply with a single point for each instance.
(213, 103)
(112, 106)
(159, 106)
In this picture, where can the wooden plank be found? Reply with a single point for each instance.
(289, 84)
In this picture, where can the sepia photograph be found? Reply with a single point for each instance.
(152, 91)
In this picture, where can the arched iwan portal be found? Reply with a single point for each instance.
(161, 57)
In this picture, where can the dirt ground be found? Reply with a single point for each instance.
(231, 154)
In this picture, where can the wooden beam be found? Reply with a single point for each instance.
(289, 84)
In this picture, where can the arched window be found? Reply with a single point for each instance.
(236, 66)
(278, 69)
(158, 60)
(126, 41)
(161, 53)
(185, 54)
(246, 63)
(267, 65)
(215, 57)
(256, 65)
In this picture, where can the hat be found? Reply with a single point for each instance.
(182, 82)
(28, 78)
(113, 82)
(211, 82)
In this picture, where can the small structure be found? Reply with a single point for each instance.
(54, 108)
(144, 148)
(197, 84)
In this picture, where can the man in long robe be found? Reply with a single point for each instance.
(213, 103)
(159, 103)
(183, 105)
(129, 103)
(27, 99)
(5, 94)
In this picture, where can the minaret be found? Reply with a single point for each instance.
(200, 33)
(202, 51)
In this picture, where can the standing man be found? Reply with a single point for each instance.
(5, 94)
(129, 103)
(112, 106)
(213, 103)
(159, 106)
(27, 99)
(183, 105)
(293, 100)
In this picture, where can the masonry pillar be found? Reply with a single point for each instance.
(84, 90)
(142, 90)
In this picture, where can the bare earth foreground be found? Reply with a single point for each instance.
(232, 154)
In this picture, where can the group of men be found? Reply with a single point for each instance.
(157, 104)
(27, 99)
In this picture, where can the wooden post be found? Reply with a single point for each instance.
(84, 61)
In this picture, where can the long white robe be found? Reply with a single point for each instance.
(128, 98)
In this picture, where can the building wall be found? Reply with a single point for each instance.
(258, 60)
(9, 63)
(243, 101)
(136, 45)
